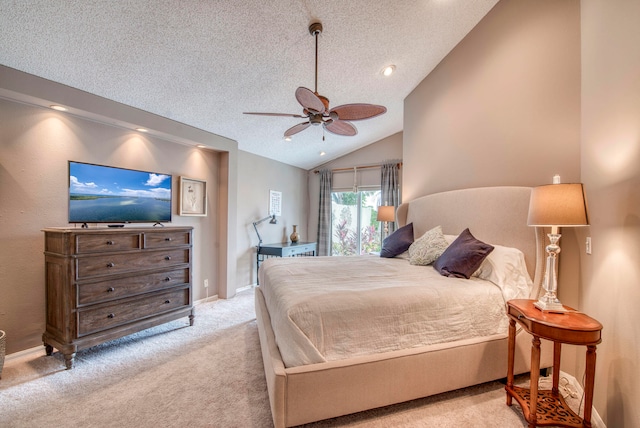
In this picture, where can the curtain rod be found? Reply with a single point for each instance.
(356, 167)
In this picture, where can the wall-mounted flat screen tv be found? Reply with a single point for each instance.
(106, 194)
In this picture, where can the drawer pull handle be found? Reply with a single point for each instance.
(167, 239)
(111, 316)
(110, 290)
(168, 279)
(167, 258)
(110, 242)
(167, 302)
(110, 264)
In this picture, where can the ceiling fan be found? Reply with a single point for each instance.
(316, 107)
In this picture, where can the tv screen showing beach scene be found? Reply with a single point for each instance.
(105, 194)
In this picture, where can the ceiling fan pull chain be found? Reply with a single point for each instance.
(355, 177)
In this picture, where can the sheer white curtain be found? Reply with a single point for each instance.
(390, 187)
(324, 213)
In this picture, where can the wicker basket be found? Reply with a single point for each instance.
(3, 337)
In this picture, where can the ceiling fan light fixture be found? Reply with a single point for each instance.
(388, 70)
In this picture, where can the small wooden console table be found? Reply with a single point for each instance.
(575, 328)
(292, 249)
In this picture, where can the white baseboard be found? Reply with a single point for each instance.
(36, 351)
(246, 287)
(596, 420)
(206, 300)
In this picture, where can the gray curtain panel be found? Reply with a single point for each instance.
(390, 187)
(324, 213)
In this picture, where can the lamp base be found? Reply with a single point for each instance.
(550, 306)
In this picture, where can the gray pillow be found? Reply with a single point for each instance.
(398, 242)
(463, 257)
(426, 249)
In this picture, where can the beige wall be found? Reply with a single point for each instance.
(503, 108)
(610, 152)
(539, 88)
(35, 146)
(389, 148)
(259, 175)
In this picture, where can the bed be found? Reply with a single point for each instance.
(311, 375)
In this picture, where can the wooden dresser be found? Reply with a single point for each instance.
(105, 283)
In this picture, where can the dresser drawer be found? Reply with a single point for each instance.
(298, 249)
(118, 313)
(107, 242)
(88, 267)
(102, 291)
(166, 239)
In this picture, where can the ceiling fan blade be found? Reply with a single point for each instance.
(309, 100)
(276, 114)
(296, 128)
(358, 111)
(341, 127)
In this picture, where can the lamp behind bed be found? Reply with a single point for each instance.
(386, 213)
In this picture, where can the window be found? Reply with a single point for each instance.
(354, 225)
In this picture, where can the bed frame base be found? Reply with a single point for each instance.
(311, 393)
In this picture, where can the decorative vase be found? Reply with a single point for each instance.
(3, 337)
(294, 236)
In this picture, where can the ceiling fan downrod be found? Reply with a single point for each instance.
(315, 29)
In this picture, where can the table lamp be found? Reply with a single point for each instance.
(556, 205)
(256, 223)
(386, 213)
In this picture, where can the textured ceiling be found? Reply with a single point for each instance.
(204, 63)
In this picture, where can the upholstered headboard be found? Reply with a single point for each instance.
(496, 215)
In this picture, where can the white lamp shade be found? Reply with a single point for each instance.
(558, 205)
(386, 213)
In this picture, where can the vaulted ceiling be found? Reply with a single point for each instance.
(204, 63)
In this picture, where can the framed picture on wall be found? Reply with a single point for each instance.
(193, 197)
(275, 203)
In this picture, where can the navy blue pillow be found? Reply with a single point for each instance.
(463, 257)
(398, 242)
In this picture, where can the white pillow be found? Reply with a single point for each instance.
(506, 268)
(426, 249)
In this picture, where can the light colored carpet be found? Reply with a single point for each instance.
(208, 375)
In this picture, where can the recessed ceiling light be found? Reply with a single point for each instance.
(388, 70)
(142, 130)
(322, 153)
(57, 107)
(201, 146)
(287, 138)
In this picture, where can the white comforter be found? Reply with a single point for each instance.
(331, 308)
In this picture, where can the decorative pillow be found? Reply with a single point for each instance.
(463, 257)
(507, 269)
(426, 249)
(398, 242)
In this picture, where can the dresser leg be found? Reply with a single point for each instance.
(48, 349)
(68, 360)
